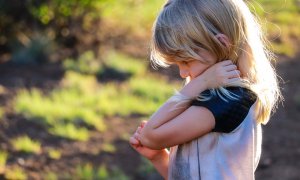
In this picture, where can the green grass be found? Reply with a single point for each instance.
(26, 144)
(15, 173)
(281, 20)
(81, 102)
(137, 16)
(70, 131)
(108, 147)
(1, 113)
(87, 171)
(54, 154)
(73, 103)
(3, 159)
(50, 176)
(124, 63)
(87, 63)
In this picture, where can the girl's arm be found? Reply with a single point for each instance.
(161, 163)
(158, 158)
(171, 126)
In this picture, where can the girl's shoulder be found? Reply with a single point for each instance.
(229, 113)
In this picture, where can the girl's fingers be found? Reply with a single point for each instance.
(143, 123)
(139, 130)
(233, 74)
(226, 62)
(136, 136)
(133, 141)
(230, 67)
(233, 80)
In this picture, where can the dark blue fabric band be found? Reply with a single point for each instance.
(231, 113)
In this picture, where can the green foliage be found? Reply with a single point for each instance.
(280, 23)
(142, 14)
(107, 147)
(50, 176)
(70, 131)
(153, 89)
(73, 103)
(54, 154)
(102, 173)
(26, 144)
(1, 113)
(85, 172)
(88, 172)
(3, 158)
(49, 10)
(31, 50)
(86, 64)
(125, 63)
(15, 173)
(82, 98)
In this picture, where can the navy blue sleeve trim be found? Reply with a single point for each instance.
(231, 113)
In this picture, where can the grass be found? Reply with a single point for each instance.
(54, 154)
(279, 19)
(15, 173)
(124, 63)
(70, 131)
(86, 63)
(141, 13)
(87, 171)
(82, 99)
(1, 113)
(3, 159)
(107, 147)
(26, 144)
(50, 176)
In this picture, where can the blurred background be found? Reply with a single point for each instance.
(75, 81)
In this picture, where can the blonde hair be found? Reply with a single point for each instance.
(185, 26)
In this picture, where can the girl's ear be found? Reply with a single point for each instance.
(223, 39)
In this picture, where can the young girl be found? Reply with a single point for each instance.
(212, 125)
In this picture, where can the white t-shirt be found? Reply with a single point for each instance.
(231, 151)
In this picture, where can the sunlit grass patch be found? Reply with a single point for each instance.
(15, 173)
(3, 159)
(50, 176)
(141, 12)
(1, 113)
(153, 89)
(87, 171)
(26, 144)
(87, 63)
(125, 63)
(70, 131)
(54, 154)
(73, 103)
(81, 98)
(279, 20)
(108, 147)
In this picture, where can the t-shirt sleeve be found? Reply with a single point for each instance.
(229, 114)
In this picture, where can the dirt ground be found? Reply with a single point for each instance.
(281, 144)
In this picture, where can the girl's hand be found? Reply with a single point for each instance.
(148, 153)
(220, 74)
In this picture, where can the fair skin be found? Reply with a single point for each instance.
(164, 129)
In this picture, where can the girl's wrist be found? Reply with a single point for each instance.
(164, 153)
(194, 87)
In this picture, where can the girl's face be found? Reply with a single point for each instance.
(193, 68)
